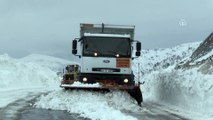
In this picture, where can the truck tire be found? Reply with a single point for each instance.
(137, 95)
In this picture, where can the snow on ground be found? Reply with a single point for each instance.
(174, 88)
(32, 72)
(162, 58)
(8, 96)
(37, 73)
(53, 63)
(185, 89)
(94, 105)
(16, 74)
(188, 90)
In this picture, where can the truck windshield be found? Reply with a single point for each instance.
(106, 47)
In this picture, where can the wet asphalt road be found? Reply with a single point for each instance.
(22, 109)
(43, 114)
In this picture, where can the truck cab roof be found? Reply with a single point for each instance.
(107, 30)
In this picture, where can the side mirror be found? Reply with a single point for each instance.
(74, 47)
(138, 46)
(138, 49)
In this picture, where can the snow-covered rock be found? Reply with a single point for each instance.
(202, 54)
(158, 59)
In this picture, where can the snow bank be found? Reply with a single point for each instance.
(158, 59)
(53, 63)
(185, 89)
(32, 71)
(189, 90)
(94, 105)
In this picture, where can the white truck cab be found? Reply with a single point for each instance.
(106, 53)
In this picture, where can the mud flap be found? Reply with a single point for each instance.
(137, 95)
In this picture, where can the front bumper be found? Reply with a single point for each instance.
(115, 78)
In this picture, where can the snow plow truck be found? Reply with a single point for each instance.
(106, 53)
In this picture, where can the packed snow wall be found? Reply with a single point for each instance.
(31, 71)
(185, 88)
(189, 90)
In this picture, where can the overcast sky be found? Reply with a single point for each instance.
(49, 26)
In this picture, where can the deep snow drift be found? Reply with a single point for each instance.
(31, 71)
(94, 105)
(34, 73)
(188, 89)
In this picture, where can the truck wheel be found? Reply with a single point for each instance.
(137, 95)
(66, 88)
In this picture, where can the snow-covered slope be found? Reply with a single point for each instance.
(204, 49)
(55, 64)
(202, 55)
(162, 58)
(184, 89)
(188, 90)
(31, 71)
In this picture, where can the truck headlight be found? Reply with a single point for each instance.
(95, 54)
(84, 79)
(117, 55)
(126, 80)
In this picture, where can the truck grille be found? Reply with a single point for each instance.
(106, 69)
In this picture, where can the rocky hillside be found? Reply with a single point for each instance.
(202, 55)
(157, 59)
(188, 88)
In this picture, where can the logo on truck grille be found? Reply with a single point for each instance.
(106, 61)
